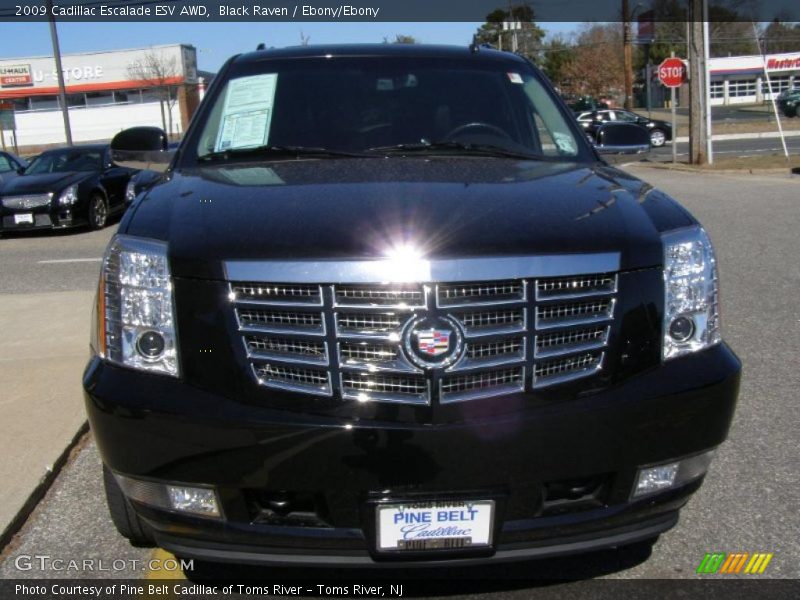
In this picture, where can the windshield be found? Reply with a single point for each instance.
(62, 161)
(368, 105)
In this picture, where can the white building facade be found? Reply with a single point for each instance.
(106, 92)
(743, 79)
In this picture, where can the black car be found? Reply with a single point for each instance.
(67, 187)
(660, 132)
(372, 317)
(11, 166)
(789, 102)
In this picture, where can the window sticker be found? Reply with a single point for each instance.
(514, 77)
(247, 113)
(565, 143)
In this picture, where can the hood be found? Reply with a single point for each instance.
(46, 182)
(361, 208)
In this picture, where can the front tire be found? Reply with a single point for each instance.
(125, 519)
(98, 212)
(657, 138)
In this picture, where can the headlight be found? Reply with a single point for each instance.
(691, 295)
(69, 196)
(135, 324)
(130, 192)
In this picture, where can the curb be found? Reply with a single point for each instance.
(690, 169)
(42, 488)
(744, 136)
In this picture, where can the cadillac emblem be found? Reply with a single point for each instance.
(433, 342)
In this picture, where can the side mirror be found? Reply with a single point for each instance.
(142, 148)
(621, 138)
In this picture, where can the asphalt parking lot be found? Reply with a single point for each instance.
(750, 498)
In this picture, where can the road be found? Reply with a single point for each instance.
(748, 502)
(734, 148)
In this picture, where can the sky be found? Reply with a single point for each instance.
(215, 42)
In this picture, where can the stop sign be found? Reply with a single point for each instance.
(672, 72)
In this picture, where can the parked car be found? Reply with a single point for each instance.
(584, 103)
(389, 307)
(11, 166)
(660, 131)
(789, 102)
(67, 187)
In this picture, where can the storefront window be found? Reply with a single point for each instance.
(99, 98)
(717, 89)
(742, 87)
(44, 103)
(779, 84)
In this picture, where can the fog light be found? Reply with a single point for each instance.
(669, 475)
(202, 501)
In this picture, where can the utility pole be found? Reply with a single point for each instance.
(627, 49)
(698, 143)
(62, 94)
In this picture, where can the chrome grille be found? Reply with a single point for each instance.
(365, 387)
(560, 370)
(481, 293)
(482, 384)
(492, 321)
(353, 342)
(294, 378)
(373, 295)
(27, 202)
(368, 323)
(277, 293)
(275, 320)
(297, 350)
(576, 287)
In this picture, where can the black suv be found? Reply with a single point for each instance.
(389, 306)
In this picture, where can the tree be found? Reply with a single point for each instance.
(401, 39)
(523, 31)
(304, 39)
(159, 73)
(596, 65)
(557, 54)
(780, 37)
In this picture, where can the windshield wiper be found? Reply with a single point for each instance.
(484, 149)
(273, 150)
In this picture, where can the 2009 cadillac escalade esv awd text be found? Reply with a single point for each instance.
(388, 306)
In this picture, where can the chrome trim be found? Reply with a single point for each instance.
(294, 387)
(556, 379)
(512, 302)
(316, 332)
(506, 388)
(291, 358)
(400, 364)
(577, 295)
(585, 347)
(367, 334)
(454, 351)
(471, 364)
(567, 322)
(284, 303)
(426, 289)
(503, 330)
(423, 270)
(387, 397)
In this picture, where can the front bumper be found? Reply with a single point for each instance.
(42, 219)
(162, 429)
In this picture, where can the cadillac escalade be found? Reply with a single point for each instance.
(387, 305)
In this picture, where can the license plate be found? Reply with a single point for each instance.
(444, 525)
(23, 218)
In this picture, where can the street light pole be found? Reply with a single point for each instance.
(62, 94)
(627, 54)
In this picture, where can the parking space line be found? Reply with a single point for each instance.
(56, 261)
(156, 570)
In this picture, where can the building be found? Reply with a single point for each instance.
(742, 79)
(106, 92)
